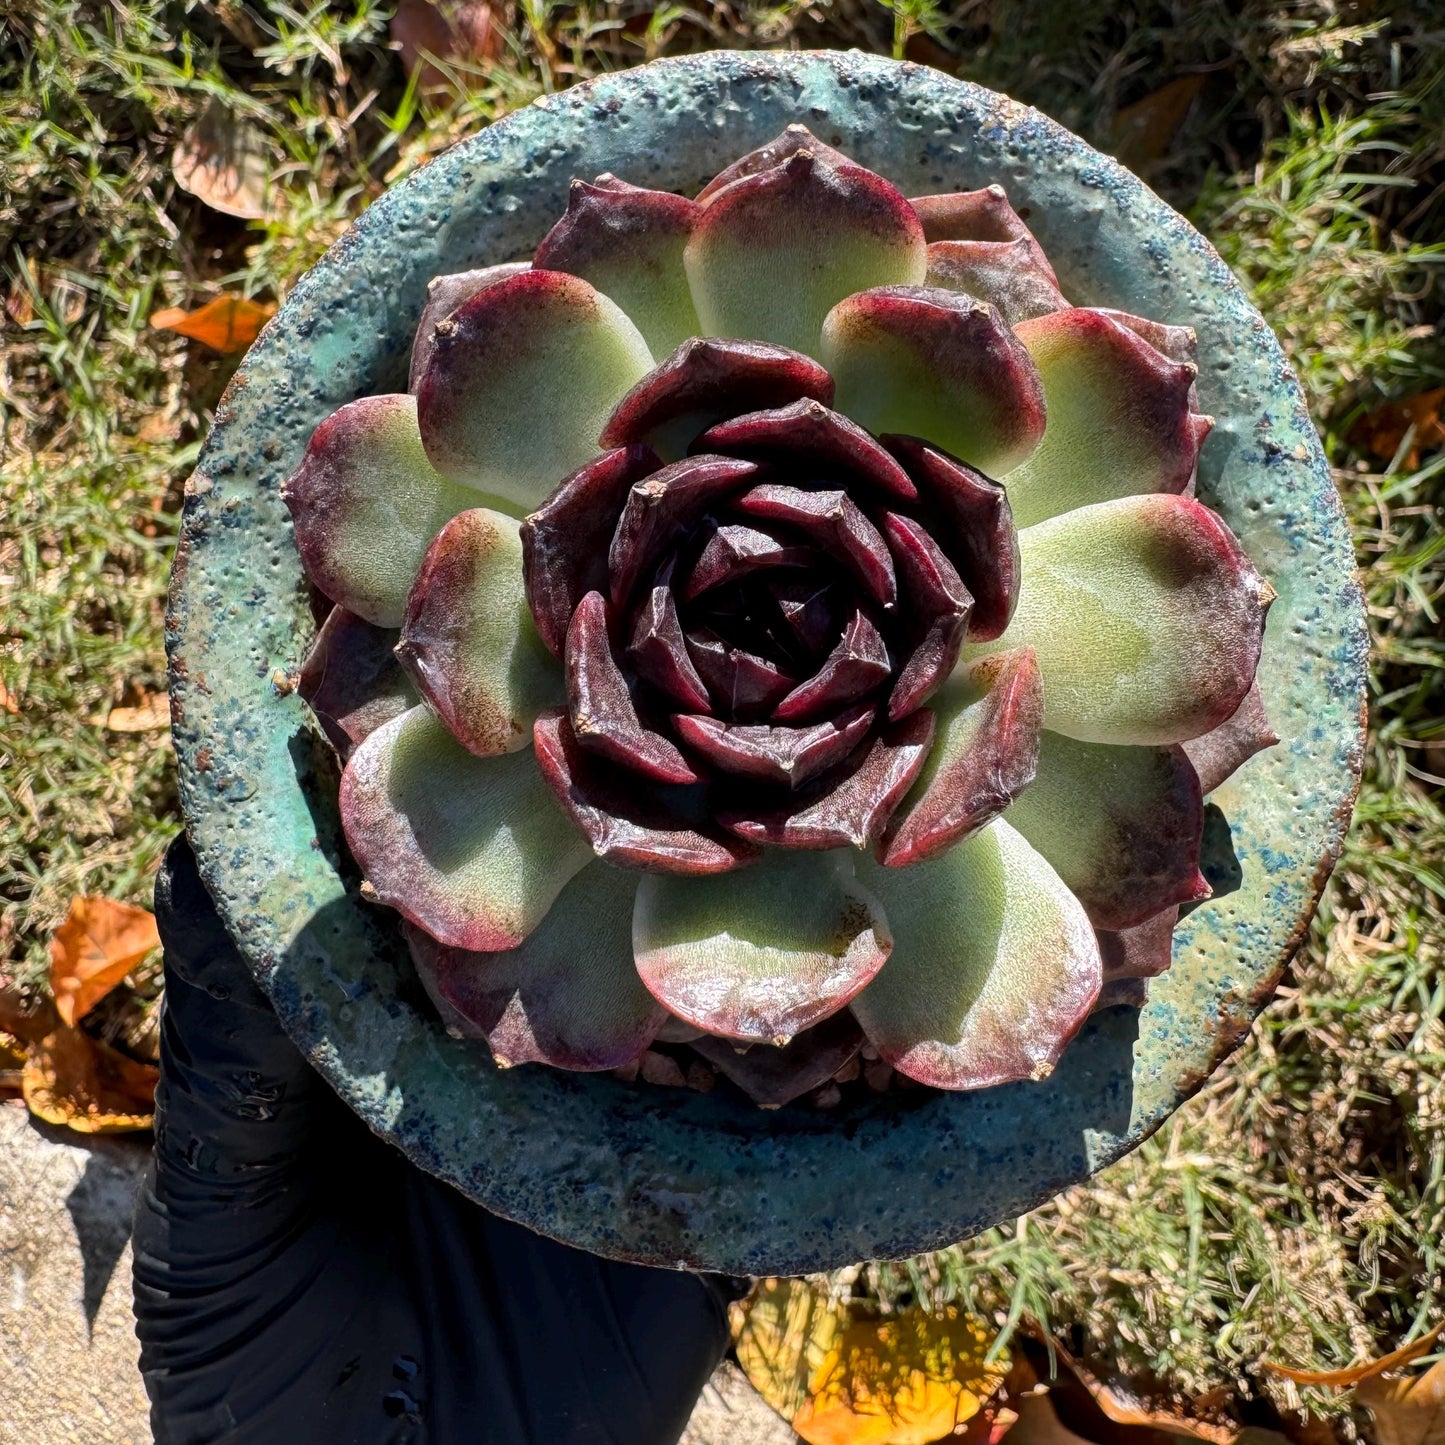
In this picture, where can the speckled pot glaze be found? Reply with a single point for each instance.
(669, 1176)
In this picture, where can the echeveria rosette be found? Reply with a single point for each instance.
(778, 620)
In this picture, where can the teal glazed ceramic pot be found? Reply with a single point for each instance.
(672, 1177)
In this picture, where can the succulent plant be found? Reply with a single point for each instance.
(776, 620)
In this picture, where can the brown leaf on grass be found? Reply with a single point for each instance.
(222, 161)
(229, 323)
(152, 713)
(462, 30)
(99, 943)
(909, 1379)
(1144, 130)
(1409, 1411)
(76, 1081)
(1365, 1369)
(1382, 431)
(7, 701)
(1119, 1411)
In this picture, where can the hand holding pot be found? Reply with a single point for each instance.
(297, 1279)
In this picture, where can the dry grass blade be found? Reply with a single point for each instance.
(1366, 1369)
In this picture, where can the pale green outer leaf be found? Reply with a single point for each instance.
(469, 639)
(1145, 616)
(473, 850)
(366, 504)
(521, 380)
(994, 965)
(1120, 421)
(763, 953)
(1120, 825)
(773, 253)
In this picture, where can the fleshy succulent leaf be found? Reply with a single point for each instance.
(565, 541)
(774, 251)
(975, 528)
(809, 433)
(620, 820)
(1144, 950)
(1147, 618)
(659, 652)
(772, 1076)
(600, 705)
(468, 640)
(1120, 417)
(1221, 752)
(833, 521)
(983, 215)
(473, 850)
(985, 756)
(734, 550)
(740, 683)
(854, 811)
(993, 970)
(1008, 275)
(521, 379)
(764, 955)
(794, 138)
(789, 755)
(366, 503)
(352, 681)
(443, 295)
(938, 606)
(708, 378)
(628, 242)
(660, 509)
(1120, 825)
(567, 995)
(938, 365)
(857, 664)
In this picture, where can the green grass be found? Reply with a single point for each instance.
(1296, 1209)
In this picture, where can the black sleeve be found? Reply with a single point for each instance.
(299, 1283)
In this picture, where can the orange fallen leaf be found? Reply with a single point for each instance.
(1143, 131)
(910, 1379)
(229, 323)
(222, 161)
(76, 1081)
(151, 714)
(7, 701)
(1366, 1369)
(99, 943)
(1409, 1411)
(1121, 1403)
(1382, 431)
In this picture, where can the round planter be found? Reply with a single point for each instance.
(668, 1176)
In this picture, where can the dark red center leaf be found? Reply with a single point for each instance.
(751, 629)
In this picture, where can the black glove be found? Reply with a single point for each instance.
(298, 1282)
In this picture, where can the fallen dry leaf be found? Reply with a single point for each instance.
(76, 1081)
(223, 161)
(151, 714)
(1365, 1369)
(462, 30)
(1383, 430)
(1143, 131)
(229, 323)
(99, 943)
(1121, 1402)
(1409, 1411)
(7, 701)
(783, 1332)
(910, 1379)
